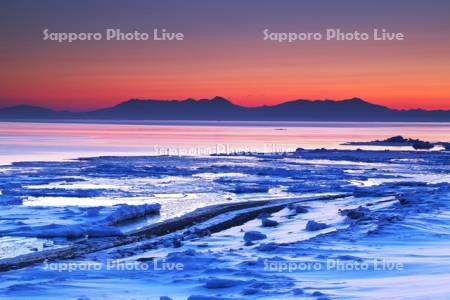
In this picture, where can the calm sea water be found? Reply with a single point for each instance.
(24, 141)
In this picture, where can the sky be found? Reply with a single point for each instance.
(223, 52)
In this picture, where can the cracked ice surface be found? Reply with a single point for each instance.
(407, 221)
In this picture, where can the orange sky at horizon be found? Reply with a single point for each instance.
(89, 76)
(228, 59)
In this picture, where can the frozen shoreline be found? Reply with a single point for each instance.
(403, 219)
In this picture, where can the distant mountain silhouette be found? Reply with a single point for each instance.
(27, 111)
(221, 109)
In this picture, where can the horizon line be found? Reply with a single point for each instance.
(220, 97)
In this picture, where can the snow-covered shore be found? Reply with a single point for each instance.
(353, 225)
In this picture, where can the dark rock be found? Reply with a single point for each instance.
(314, 226)
(251, 236)
(421, 145)
(402, 199)
(298, 292)
(268, 247)
(145, 259)
(268, 223)
(300, 209)
(396, 139)
(356, 213)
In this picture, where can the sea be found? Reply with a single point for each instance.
(40, 141)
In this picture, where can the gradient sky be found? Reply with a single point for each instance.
(223, 52)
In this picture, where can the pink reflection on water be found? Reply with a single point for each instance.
(37, 141)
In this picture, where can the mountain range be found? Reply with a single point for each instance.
(221, 109)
